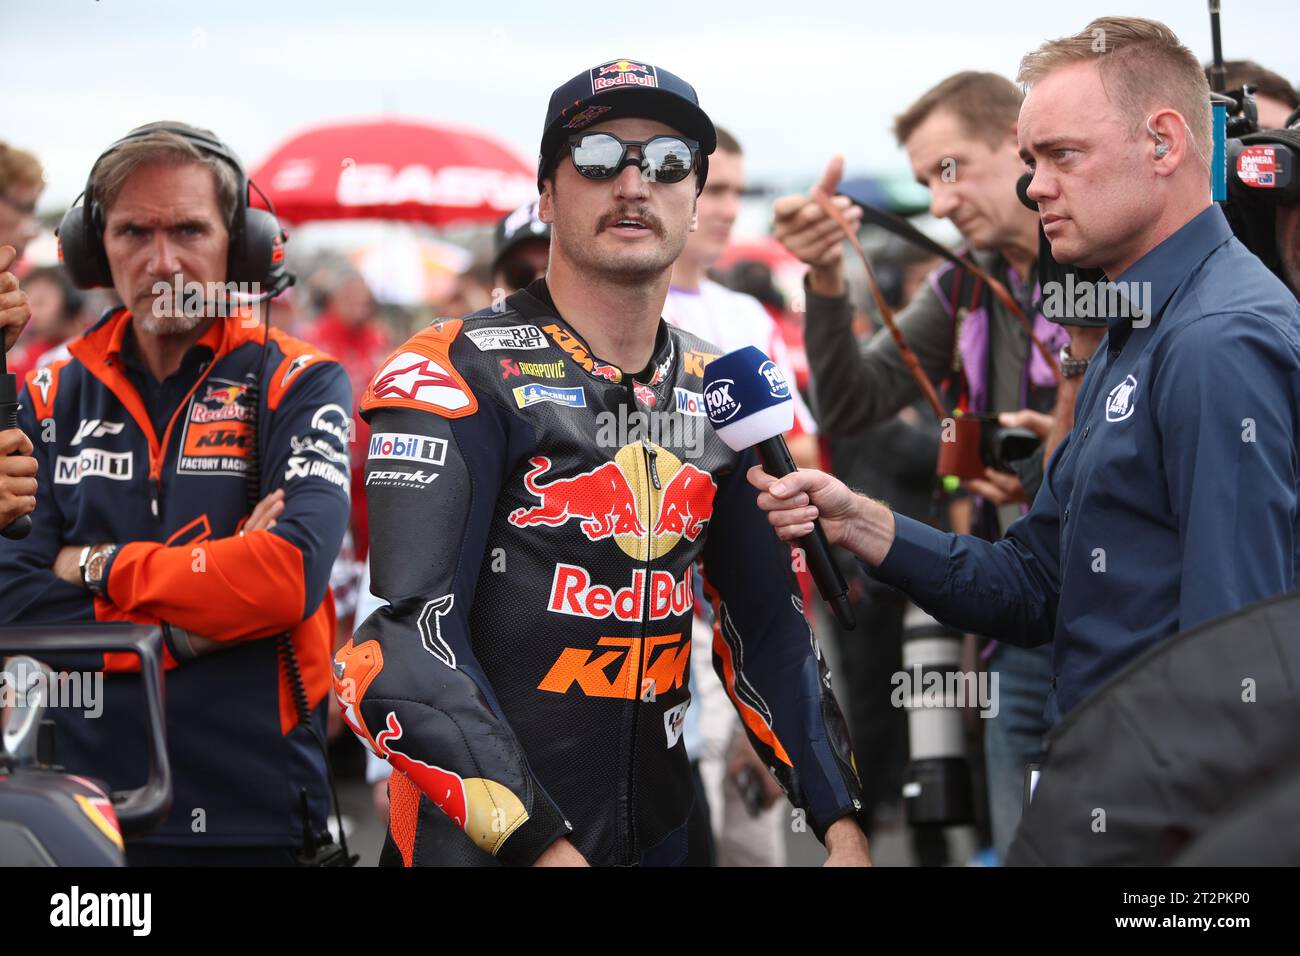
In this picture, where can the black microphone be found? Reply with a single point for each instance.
(750, 405)
(21, 526)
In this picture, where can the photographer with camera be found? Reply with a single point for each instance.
(1174, 498)
(960, 138)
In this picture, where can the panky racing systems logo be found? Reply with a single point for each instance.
(623, 74)
(218, 436)
(646, 504)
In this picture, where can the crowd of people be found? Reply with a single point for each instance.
(353, 524)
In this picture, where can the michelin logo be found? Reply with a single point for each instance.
(533, 394)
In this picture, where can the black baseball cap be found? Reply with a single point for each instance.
(620, 88)
(520, 226)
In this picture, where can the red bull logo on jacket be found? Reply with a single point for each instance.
(221, 402)
(574, 592)
(646, 499)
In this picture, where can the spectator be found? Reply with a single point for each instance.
(17, 466)
(21, 183)
(350, 331)
(521, 247)
(56, 318)
(730, 320)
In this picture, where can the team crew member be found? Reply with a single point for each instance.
(1174, 499)
(151, 431)
(529, 677)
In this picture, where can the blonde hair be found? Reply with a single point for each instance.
(986, 104)
(19, 168)
(1144, 68)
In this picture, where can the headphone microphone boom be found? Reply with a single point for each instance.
(750, 406)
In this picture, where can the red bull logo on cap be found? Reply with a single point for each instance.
(622, 74)
(647, 505)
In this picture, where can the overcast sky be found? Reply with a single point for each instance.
(795, 81)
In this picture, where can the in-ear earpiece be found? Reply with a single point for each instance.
(1162, 148)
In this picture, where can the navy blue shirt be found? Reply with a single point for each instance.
(1174, 498)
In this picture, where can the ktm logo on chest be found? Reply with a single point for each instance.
(646, 667)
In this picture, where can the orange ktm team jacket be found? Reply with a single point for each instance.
(174, 497)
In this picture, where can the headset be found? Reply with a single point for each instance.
(255, 255)
(256, 248)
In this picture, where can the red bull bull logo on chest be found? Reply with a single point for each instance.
(646, 499)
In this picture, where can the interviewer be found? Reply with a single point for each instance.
(1174, 498)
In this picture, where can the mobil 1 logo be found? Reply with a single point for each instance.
(387, 449)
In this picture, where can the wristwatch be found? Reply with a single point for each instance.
(1071, 367)
(94, 564)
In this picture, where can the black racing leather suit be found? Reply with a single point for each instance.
(528, 678)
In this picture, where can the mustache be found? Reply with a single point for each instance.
(642, 213)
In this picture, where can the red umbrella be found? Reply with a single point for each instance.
(390, 169)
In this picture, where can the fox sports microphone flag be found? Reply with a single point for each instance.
(750, 406)
(747, 398)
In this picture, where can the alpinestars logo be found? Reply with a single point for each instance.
(419, 378)
(296, 366)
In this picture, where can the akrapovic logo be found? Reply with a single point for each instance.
(93, 463)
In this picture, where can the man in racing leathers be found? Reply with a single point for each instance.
(539, 497)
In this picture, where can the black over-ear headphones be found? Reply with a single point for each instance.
(256, 250)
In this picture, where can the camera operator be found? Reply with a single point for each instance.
(149, 441)
(1275, 98)
(1174, 499)
(960, 138)
(1267, 221)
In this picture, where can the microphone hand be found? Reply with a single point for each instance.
(792, 503)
